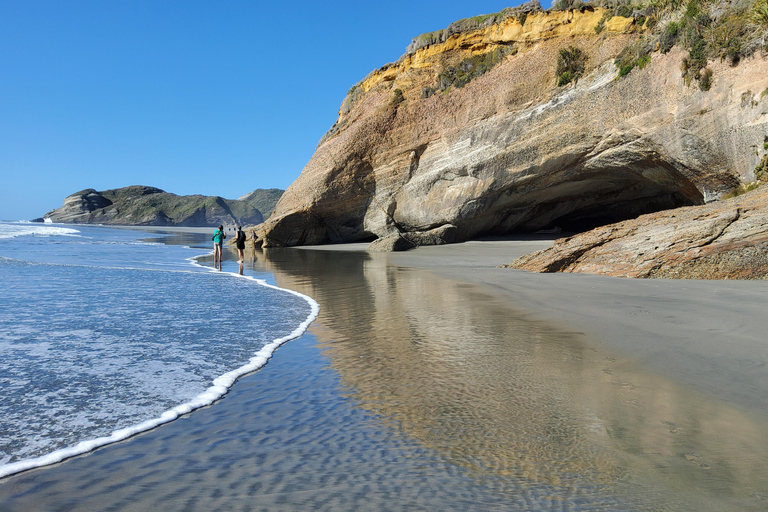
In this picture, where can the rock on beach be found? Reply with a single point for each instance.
(721, 240)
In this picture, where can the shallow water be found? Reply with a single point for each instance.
(502, 396)
(417, 393)
(101, 332)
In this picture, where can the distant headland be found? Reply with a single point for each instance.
(149, 206)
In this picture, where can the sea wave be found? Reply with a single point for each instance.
(13, 230)
(218, 388)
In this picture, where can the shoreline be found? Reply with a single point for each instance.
(706, 334)
(415, 391)
(216, 389)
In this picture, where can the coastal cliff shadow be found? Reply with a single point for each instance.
(515, 400)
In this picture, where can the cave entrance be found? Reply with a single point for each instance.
(608, 197)
(597, 215)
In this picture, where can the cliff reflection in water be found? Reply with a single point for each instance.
(516, 400)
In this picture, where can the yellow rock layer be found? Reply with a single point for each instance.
(538, 26)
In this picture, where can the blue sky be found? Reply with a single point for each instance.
(194, 97)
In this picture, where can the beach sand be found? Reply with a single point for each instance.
(433, 380)
(711, 335)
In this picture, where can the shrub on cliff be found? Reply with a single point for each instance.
(705, 79)
(564, 5)
(623, 8)
(759, 13)
(708, 30)
(352, 96)
(695, 62)
(397, 97)
(761, 171)
(741, 190)
(636, 55)
(570, 65)
(728, 37)
(668, 37)
(469, 69)
(601, 24)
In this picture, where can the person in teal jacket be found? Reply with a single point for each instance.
(218, 240)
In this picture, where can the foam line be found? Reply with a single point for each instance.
(220, 386)
(16, 229)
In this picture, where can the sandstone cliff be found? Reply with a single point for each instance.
(149, 206)
(470, 133)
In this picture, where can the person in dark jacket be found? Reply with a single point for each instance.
(240, 243)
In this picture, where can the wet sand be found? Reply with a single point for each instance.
(711, 335)
(433, 380)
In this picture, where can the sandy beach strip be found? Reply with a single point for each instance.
(712, 335)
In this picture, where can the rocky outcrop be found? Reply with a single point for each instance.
(149, 206)
(445, 234)
(721, 240)
(510, 150)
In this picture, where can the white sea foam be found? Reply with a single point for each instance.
(220, 386)
(13, 230)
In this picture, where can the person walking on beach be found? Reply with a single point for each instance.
(240, 243)
(218, 239)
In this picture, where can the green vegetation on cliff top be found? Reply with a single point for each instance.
(709, 29)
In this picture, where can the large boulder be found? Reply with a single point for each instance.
(445, 234)
(722, 240)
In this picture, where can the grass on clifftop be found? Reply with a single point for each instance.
(709, 30)
(728, 30)
(474, 23)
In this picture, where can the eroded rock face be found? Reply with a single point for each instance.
(511, 151)
(445, 234)
(721, 240)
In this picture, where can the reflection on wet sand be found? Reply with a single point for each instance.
(516, 401)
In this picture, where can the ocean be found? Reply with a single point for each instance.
(105, 333)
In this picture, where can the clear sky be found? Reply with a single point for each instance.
(194, 97)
